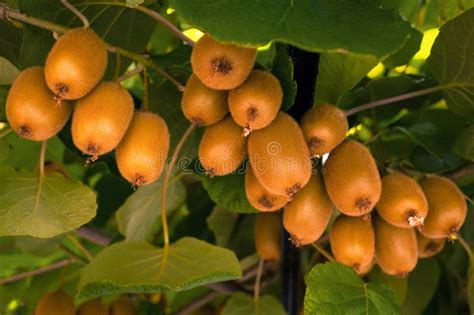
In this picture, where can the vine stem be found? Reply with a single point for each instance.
(258, 280)
(466, 247)
(323, 252)
(41, 159)
(118, 64)
(76, 12)
(166, 180)
(131, 73)
(45, 269)
(79, 245)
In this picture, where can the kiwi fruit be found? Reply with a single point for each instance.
(279, 156)
(75, 64)
(267, 236)
(447, 208)
(324, 127)
(202, 105)
(222, 148)
(352, 179)
(259, 197)
(256, 102)
(30, 107)
(396, 248)
(364, 270)
(55, 303)
(93, 307)
(307, 215)
(402, 202)
(428, 247)
(101, 118)
(123, 306)
(352, 242)
(141, 155)
(221, 66)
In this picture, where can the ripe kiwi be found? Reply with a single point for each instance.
(279, 156)
(324, 128)
(428, 247)
(101, 118)
(395, 248)
(352, 179)
(259, 197)
(123, 306)
(402, 203)
(141, 155)
(255, 103)
(93, 307)
(222, 148)
(307, 215)
(352, 242)
(202, 105)
(447, 207)
(75, 64)
(31, 110)
(221, 66)
(55, 303)
(267, 236)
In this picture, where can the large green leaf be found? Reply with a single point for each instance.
(221, 223)
(401, 57)
(243, 304)
(10, 41)
(397, 284)
(356, 26)
(139, 267)
(452, 64)
(470, 285)
(42, 209)
(464, 145)
(333, 288)
(8, 71)
(283, 69)
(449, 9)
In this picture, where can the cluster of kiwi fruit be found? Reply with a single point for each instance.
(61, 303)
(42, 99)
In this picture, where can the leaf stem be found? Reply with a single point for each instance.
(78, 13)
(146, 84)
(323, 252)
(79, 245)
(41, 159)
(94, 236)
(258, 280)
(118, 64)
(466, 247)
(45, 269)
(139, 68)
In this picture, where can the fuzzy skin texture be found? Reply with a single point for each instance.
(324, 127)
(352, 242)
(260, 198)
(279, 156)
(428, 247)
(307, 215)
(402, 201)
(221, 66)
(101, 119)
(267, 236)
(123, 306)
(255, 103)
(222, 148)
(202, 105)
(55, 303)
(93, 307)
(396, 248)
(76, 63)
(31, 109)
(447, 207)
(142, 153)
(352, 179)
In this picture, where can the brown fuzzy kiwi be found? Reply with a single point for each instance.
(141, 155)
(101, 119)
(93, 307)
(402, 203)
(447, 207)
(260, 198)
(279, 156)
(75, 64)
(396, 249)
(123, 306)
(364, 270)
(428, 247)
(267, 236)
(221, 66)
(255, 103)
(222, 148)
(352, 242)
(53, 303)
(324, 127)
(31, 110)
(307, 215)
(202, 105)
(352, 179)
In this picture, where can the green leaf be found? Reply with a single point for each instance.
(46, 209)
(10, 41)
(338, 73)
(356, 26)
(402, 56)
(139, 267)
(283, 70)
(137, 216)
(243, 304)
(470, 285)
(38, 246)
(221, 223)
(449, 9)
(8, 72)
(452, 64)
(398, 285)
(464, 145)
(333, 288)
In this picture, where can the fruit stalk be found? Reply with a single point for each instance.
(258, 279)
(41, 160)
(76, 12)
(323, 252)
(131, 73)
(466, 247)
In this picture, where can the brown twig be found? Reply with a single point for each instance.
(198, 303)
(57, 265)
(94, 236)
(463, 171)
